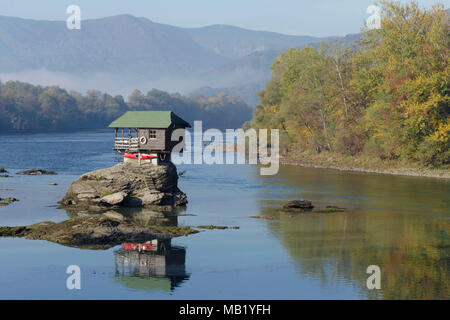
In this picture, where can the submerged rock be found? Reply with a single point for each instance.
(127, 185)
(6, 201)
(95, 232)
(298, 204)
(4, 175)
(36, 172)
(330, 209)
(297, 208)
(263, 217)
(9, 199)
(114, 215)
(211, 227)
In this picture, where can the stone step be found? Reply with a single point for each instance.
(150, 183)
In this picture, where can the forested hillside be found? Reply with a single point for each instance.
(387, 99)
(35, 108)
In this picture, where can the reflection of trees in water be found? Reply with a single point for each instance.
(412, 250)
(389, 229)
(162, 269)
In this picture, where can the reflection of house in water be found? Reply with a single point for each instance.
(161, 269)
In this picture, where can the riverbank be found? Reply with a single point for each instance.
(328, 160)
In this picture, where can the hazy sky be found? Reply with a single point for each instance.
(300, 17)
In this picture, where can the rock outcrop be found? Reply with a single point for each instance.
(100, 231)
(6, 201)
(4, 173)
(127, 185)
(36, 172)
(298, 204)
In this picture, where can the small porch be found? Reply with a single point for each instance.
(126, 142)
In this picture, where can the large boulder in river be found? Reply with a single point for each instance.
(115, 198)
(127, 185)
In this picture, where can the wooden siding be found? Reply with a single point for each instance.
(158, 144)
(126, 143)
(162, 142)
(169, 143)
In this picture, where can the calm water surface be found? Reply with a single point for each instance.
(399, 223)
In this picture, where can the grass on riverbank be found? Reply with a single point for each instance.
(363, 164)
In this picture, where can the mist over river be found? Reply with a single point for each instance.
(401, 224)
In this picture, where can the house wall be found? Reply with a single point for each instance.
(169, 143)
(153, 144)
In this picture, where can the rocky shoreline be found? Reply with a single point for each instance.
(400, 172)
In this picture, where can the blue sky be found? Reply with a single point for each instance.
(300, 17)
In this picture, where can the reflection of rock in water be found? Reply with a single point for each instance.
(137, 216)
(103, 230)
(147, 217)
(162, 269)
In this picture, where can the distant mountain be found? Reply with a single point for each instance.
(262, 60)
(235, 43)
(119, 44)
(244, 92)
(120, 53)
(248, 75)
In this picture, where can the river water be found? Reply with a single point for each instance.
(400, 224)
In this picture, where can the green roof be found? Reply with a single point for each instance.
(148, 119)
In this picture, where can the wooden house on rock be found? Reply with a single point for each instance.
(146, 135)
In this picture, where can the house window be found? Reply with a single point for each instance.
(152, 134)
